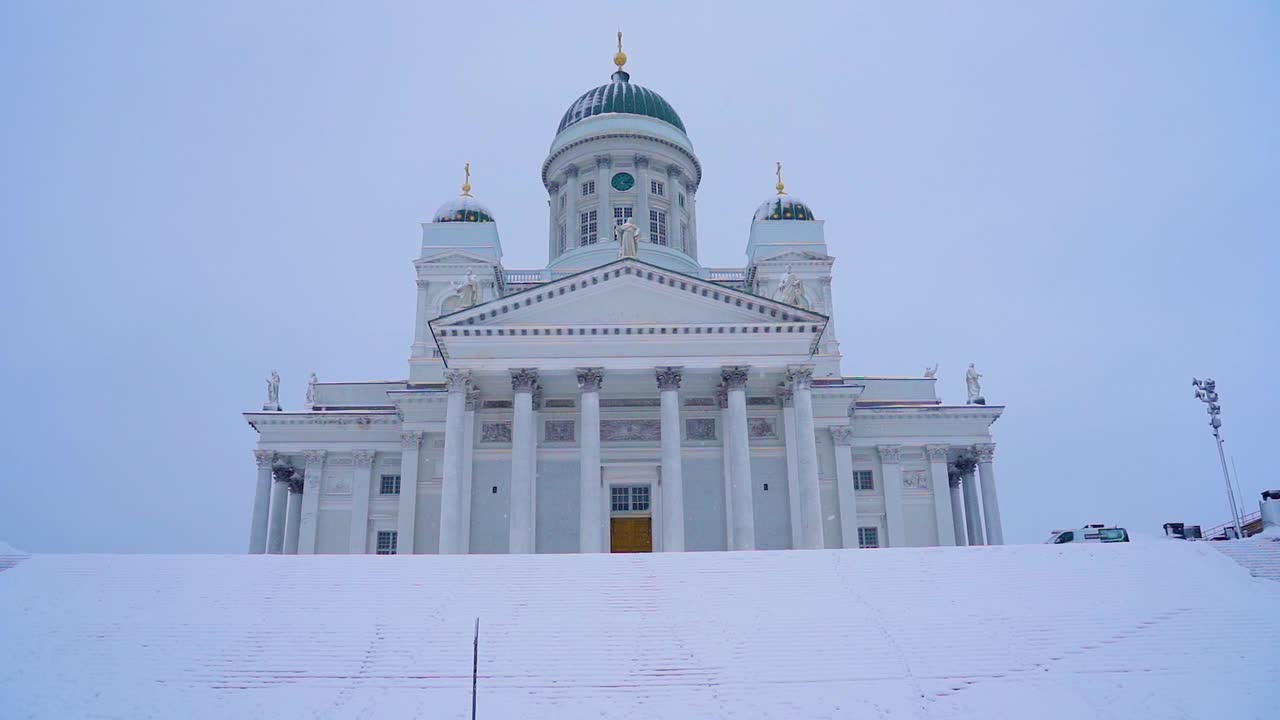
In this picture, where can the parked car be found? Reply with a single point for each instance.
(1089, 533)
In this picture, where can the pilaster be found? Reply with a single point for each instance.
(846, 486)
(407, 517)
(311, 486)
(891, 472)
(361, 488)
(735, 382)
(799, 377)
(672, 495)
(591, 501)
(938, 482)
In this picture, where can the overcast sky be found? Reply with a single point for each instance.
(1080, 197)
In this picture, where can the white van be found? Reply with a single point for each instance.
(1089, 533)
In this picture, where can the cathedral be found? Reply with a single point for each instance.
(626, 397)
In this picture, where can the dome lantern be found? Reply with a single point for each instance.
(465, 208)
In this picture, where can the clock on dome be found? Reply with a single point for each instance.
(623, 182)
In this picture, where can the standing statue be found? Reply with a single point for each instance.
(628, 237)
(311, 390)
(931, 372)
(273, 392)
(791, 289)
(468, 291)
(974, 386)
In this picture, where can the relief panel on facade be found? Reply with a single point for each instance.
(761, 427)
(915, 479)
(700, 428)
(630, 430)
(495, 432)
(558, 431)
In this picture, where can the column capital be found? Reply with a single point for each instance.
(603, 161)
(668, 377)
(843, 435)
(889, 453)
(570, 172)
(411, 439)
(799, 377)
(473, 399)
(722, 396)
(674, 172)
(590, 379)
(642, 161)
(986, 452)
(964, 464)
(264, 458)
(786, 395)
(457, 380)
(953, 479)
(314, 457)
(937, 453)
(363, 458)
(735, 376)
(524, 379)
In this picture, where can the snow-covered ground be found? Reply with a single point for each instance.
(1169, 630)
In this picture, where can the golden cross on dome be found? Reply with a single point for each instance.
(780, 186)
(466, 183)
(620, 59)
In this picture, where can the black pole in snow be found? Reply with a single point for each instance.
(475, 665)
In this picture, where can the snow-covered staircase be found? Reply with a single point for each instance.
(1050, 631)
(1259, 555)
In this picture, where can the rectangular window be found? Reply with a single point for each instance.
(621, 214)
(587, 228)
(863, 480)
(629, 498)
(681, 199)
(563, 237)
(684, 236)
(657, 188)
(387, 542)
(868, 537)
(563, 197)
(658, 226)
(589, 187)
(390, 485)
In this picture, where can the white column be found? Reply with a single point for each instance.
(590, 511)
(407, 517)
(279, 512)
(972, 515)
(722, 399)
(642, 202)
(941, 487)
(572, 189)
(456, 382)
(468, 465)
(603, 164)
(311, 485)
(990, 505)
(744, 524)
(891, 475)
(294, 513)
(787, 398)
(846, 489)
(523, 381)
(799, 378)
(553, 206)
(358, 540)
(675, 216)
(957, 509)
(261, 502)
(672, 460)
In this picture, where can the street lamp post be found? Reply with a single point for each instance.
(1206, 392)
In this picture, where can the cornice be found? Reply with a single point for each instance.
(546, 164)
(257, 420)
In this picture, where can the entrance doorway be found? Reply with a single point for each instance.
(630, 515)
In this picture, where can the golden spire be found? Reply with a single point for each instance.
(620, 58)
(466, 183)
(780, 186)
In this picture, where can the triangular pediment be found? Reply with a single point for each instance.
(796, 256)
(628, 293)
(454, 257)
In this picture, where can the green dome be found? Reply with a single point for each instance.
(620, 96)
(463, 209)
(784, 207)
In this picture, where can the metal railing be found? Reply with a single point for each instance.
(726, 274)
(522, 276)
(1217, 530)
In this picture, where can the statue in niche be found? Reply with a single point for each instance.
(273, 392)
(791, 289)
(468, 291)
(931, 372)
(628, 237)
(311, 390)
(974, 386)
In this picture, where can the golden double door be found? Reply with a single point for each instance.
(631, 534)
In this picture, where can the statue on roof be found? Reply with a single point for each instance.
(931, 372)
(974, 386)
(273, 392)
(468, 291)
(628, 237)
(791, 289)
(311, 389)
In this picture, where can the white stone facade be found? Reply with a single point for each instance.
(546, 410)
